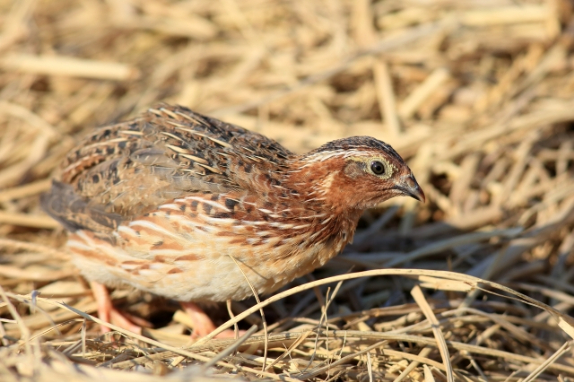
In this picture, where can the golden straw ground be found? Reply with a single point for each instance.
(476, 96)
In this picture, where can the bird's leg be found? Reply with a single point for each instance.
(107, 312)
(202, 324)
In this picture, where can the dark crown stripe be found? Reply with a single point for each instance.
(359, 142)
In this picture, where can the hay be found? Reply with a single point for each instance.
(474, 285)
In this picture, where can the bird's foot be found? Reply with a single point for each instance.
(202, 324)
(108, 313)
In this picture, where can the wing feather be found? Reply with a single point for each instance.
(126, 170)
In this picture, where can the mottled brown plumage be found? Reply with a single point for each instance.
(175, 203)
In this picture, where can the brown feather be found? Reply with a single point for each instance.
(171, 202)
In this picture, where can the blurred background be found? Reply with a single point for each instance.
(477, 95)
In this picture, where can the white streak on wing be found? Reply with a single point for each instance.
(177, 149)
(281, 225)
(314, 200)
(312, 216)
(239, 229)
(170, 206)
(208, 229)
(209, 219)
(86, 244)
(272, 240)
(316, 234)
(254, 223)
(147, 224)
(327, 220)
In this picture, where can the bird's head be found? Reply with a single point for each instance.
(354, 173)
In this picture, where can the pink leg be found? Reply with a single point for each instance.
(107, 312)
(202, 324)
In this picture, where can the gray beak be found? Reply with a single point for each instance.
(409, 186)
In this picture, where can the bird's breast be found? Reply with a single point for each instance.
(213, 247)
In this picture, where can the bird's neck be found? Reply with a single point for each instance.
(315, 184)
(314, 190)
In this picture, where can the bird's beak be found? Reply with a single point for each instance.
(409, 186)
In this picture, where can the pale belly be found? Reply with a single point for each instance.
(201, 269)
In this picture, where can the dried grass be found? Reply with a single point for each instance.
(478, 95)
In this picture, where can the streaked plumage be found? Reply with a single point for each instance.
(175, 202)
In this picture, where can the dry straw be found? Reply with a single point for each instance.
(474, 285)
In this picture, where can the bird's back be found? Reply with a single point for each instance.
(127, 169)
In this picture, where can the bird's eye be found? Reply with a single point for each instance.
(378, 168)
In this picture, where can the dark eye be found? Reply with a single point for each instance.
(377, 168)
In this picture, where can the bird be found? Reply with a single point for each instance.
(194, 209)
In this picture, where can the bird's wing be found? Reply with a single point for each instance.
(125, 170)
